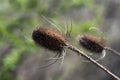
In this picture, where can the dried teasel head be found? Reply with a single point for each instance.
(49, 38)
(92, 43)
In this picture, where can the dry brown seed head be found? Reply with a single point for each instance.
(92, 43)
(49, 38)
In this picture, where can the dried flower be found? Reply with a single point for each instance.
(92, 43)
(49, 38)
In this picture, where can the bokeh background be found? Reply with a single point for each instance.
(21, 58)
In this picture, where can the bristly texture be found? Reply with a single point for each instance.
(49, 38)
(92, 43)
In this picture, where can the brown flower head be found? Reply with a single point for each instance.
(49, 38)
(92, 43)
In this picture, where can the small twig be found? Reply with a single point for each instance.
(92, 60)
(112, 50)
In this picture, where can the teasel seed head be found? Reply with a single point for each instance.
(49, 38)
(92, 43)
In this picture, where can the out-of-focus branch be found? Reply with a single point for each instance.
(5, 49)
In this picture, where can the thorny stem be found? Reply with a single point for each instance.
(92, 60)
(112, 50)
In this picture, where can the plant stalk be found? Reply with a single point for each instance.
(92, 60)
(112, 50)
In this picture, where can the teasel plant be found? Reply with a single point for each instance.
(95, 44)
(53, 40)
(58, 36)
(50, 39)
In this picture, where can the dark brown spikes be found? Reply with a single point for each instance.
(49, 38)
(92, 43)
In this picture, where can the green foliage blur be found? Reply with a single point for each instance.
(19, 17)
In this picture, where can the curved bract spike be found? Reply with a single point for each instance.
(102, 56)
(63, 56)
(95, 28)
(52, 23)
(99, 32)
(48, 65)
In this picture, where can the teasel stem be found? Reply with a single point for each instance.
(112, 50)
(74, 49)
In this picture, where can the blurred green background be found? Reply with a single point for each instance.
(20, 57)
